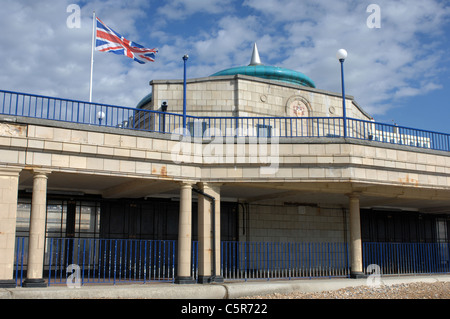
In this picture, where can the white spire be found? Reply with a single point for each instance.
(255, 56)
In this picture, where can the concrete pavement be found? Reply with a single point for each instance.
(227, 290)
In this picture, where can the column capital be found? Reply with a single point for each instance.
(354, 195)
(215, 187)
(10, 170)
(209, 184)
(186, 183)
(41, 171)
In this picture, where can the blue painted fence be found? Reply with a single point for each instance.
(51, 108)
(126, 260)
(267, 260)
(408, 258)
(101, 260)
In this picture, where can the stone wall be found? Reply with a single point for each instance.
(204, 97)
(111, 151)
(249, 96)
(120, 163)
(276, 222)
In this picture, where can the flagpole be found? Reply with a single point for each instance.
(92, 55)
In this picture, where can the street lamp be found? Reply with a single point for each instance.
(164, 106)
(341, 55)
(164, 110)
(100, 116)
(185, 57)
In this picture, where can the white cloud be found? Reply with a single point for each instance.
(180, 9)
(381, 63)
(225, 47)
(44, 56)
(408, 91)
(401, 59)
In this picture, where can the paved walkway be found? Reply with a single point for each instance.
(227, 290)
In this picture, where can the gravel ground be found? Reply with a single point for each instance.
(437, 290)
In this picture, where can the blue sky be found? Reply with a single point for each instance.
(399, 72)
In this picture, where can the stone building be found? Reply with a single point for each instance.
(264, 184)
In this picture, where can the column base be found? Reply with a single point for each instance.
(357, 275)
(184, 280)
(34, 283)
(8, 283)
(209, 279)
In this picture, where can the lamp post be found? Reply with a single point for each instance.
(100, 117)
(185, 57)
(164, 110)
(341, 55)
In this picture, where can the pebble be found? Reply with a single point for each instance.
(437, 290)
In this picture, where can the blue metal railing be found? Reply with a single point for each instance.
(400, 135)
(112, 260)
(128, 260)
(408, 258)
(222, 126)
(51, 108)
(267, 260)
(21, 257)
(101, 260)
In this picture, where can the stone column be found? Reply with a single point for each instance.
(185, 236)
(209, 234)
(36, 243)
(9, 180)
(355, 238)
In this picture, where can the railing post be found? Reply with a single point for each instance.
(17, 103)
(185, 57)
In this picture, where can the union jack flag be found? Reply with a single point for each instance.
(107, 40)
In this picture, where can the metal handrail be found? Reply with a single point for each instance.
(138, 260)
(407, 258)
(67, 110)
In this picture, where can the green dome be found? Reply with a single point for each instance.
(147, 99)
(257, 69)
(271, 73)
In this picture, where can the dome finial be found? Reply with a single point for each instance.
(255, 56)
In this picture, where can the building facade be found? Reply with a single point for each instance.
(263, 184)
